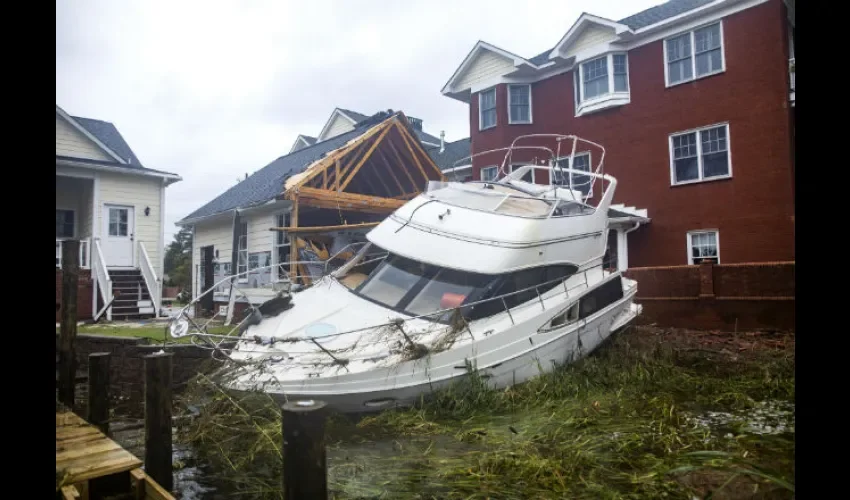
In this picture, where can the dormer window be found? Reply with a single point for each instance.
(601, 83)
(487, 109)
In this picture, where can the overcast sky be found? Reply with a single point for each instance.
(213, 90)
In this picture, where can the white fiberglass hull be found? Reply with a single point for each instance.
(507, 349)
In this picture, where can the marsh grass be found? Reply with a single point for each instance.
(613, 425)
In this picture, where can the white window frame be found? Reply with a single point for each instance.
(694, 76)
(689, 243)
(570, 165)
(239, 250)
(488, 168)
(276, 221)
(511, 120)
(495, 108)
(701, 177)
(608, 99)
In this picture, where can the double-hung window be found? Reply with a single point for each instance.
(519, 104)
(703, 245)
(694, 54)
(487, 109)
(601, 83)
(701, 154)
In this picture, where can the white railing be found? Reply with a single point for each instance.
(84, 254)
(101, 275)
(149, 274)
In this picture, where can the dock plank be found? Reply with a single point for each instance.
(84, 452)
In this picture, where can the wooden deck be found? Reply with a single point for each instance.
(84, 453)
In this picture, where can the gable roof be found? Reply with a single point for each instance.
(268, 182)
(626, 26)
(354, 115)
(111, 137)
(661, 12)
(453, 152)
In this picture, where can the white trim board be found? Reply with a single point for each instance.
(68, 118)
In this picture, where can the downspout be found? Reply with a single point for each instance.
(234, 265)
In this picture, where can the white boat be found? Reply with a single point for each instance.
(504, 277)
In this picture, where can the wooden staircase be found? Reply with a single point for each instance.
(132, 297)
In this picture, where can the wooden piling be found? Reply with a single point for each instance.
(68, 324)
(158, 448)
(305, 472)
(98, 414)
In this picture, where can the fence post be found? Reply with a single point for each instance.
(99, 390)
(305, 472)
(68, 324)
(158, 447)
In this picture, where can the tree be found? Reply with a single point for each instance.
(178, 259)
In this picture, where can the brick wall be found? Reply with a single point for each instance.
(127, 375)
(758, 296)
(84, 293)
(753, 210)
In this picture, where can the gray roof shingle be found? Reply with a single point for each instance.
(106, 133)
(266, 183)
(661, 12)
(454, 151)
(358, 117)
(643, 19)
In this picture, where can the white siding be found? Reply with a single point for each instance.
(219, 234)
(484, 66)
(72, 142)
(138, 192)
(338, 126)
(259, 236)
(592, 35)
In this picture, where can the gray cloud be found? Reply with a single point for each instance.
(213, 90)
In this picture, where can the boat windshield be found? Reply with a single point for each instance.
(418, 289)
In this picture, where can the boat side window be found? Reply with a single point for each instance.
(600, 298)
(565, 318)
(546, 278)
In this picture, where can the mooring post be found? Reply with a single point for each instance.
(158, 419)
(68, 323)
(305, 473)
(99, 391)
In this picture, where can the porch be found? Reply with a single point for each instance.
(124, 281)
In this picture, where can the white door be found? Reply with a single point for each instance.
(117, 235)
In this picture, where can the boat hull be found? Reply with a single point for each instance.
(403, 386)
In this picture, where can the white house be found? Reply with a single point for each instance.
(115, 206)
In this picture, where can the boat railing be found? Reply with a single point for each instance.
(214, 341)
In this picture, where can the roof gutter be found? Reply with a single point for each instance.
(285, 204)
(169, 178)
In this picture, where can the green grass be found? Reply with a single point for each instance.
(155, 333)
(612, 426)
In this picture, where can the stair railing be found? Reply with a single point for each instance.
(104, 282)
(151, 280)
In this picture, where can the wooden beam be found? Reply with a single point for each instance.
(325, 177)
(68, 325)
(325, 229)
(327, 161)
(402, 131)
(293, 247)
(319, 198)
(404, 164)
(336, 177)
(392, 174)
(406, 133)
(355, 155)
(363, 159)
(401, 164)
(389, 192)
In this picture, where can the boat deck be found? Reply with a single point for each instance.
(84, 453)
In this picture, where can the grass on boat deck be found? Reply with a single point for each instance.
(651, 414)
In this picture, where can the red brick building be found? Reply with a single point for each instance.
(693, 101)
